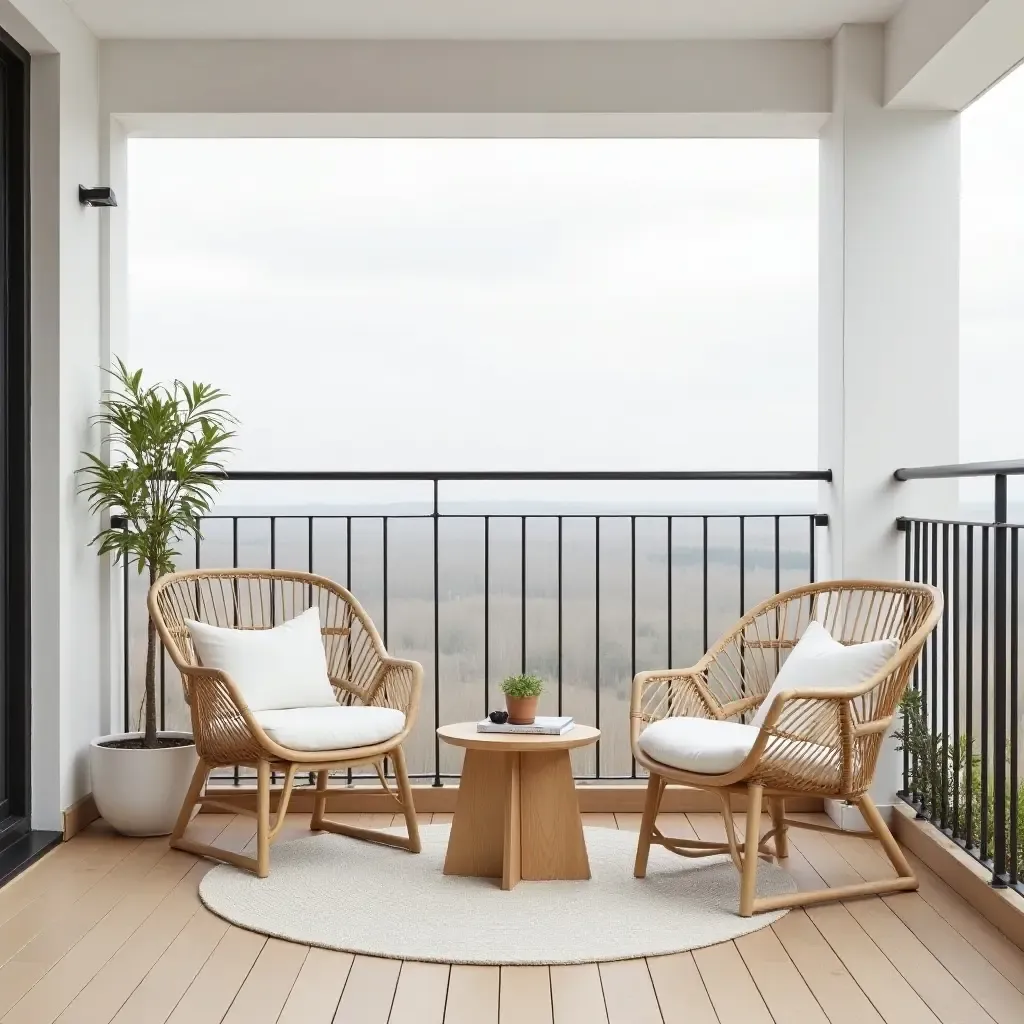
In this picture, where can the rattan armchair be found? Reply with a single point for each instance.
(225, 730)
(822, 743)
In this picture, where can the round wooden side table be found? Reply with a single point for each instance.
(517, 815)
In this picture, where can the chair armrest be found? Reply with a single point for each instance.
(398, 686)
(223, 727)
(668, 693)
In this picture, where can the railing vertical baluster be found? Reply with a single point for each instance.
(437, 650)
(985, 626)
(1014, 839)
(810, 550)
(384, 575)
(926, 768)
(487, 614)
(919, 677)
(559, 615)
(273, 610)
(597, 642)
(743, 604)
(955, 739)
(236, 775)
(936, 803)
(969, 693)
(632, 617)
(348, 587)
(126, 625)
(704, 585)
(522, 596)
(907, 528)
(1000, 686)
(944, 746)
(668, 584)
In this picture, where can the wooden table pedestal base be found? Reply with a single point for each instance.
(517, 816)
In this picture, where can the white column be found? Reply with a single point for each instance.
(888, 317)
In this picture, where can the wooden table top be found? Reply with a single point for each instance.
(464, 734)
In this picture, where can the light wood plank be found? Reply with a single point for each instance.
(421, 994)
(1004, 956)
(729, 985)
(888, 989)
(262, 996)
(216, 985)
(629, 993)
(598, 819)
(837, 993)
(69, 975)
(778, 981)
(317, 990)
(525, 996)
(472, 995)
(155, 998)
(369, 991)
(109, 988)
(577, 996)
(1001, 1000)
(441, 818)
(682, 997)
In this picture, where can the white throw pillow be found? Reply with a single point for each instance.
(818, 662)
(283, 667)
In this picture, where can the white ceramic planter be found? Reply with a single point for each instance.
(139, 792)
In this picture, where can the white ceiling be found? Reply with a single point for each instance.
(476, 19)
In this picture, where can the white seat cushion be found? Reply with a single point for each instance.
(818, 662)
(283, 667)
(334, 728)
(702, 745)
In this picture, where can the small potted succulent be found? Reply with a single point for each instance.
(521, 693)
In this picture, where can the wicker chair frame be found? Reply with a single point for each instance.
(226, 733)
(812, 743)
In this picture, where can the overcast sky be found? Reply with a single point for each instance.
(542, 304)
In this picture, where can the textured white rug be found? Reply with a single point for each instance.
(341, 893)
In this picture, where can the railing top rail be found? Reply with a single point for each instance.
(554, 475)
(1009, 467)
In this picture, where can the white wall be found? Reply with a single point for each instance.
(888, 317)
(232, 77)
(68, 677)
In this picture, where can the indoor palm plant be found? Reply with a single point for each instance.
(166, 443)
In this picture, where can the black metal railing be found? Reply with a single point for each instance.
(961, 723)
(550, 589)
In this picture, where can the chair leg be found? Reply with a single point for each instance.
(778, 809)
(412, 825)
(877, 824)
(188, 804)
(905, 881)
(263, 818)
(748, 879)
(319, 800)
(655, 787)
(410, 843)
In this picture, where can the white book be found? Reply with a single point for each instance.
(541, 726)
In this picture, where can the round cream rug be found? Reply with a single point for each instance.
(341, 893)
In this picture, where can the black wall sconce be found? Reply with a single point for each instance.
(99, 195)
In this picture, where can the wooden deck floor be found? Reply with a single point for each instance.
(110, 929)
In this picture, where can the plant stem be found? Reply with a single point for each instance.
(150, 737)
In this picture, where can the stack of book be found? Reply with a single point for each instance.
(540, 726)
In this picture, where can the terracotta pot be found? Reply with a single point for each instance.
(521, 710)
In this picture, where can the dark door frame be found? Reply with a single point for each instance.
(15, 380)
